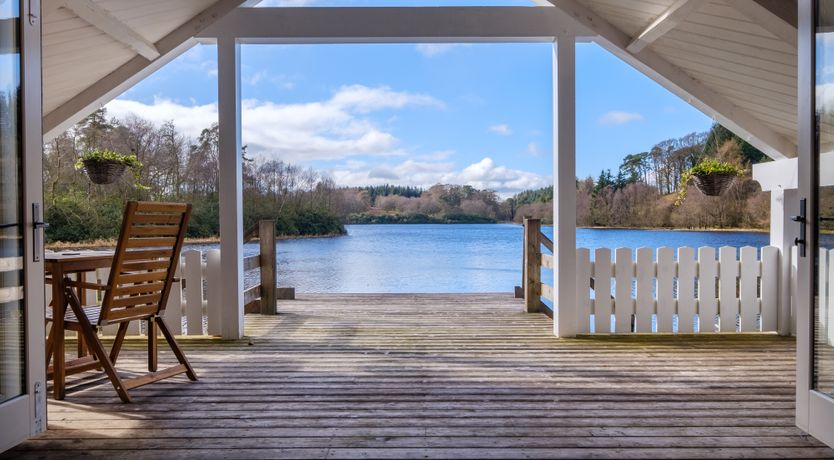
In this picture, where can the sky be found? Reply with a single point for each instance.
(477, 114)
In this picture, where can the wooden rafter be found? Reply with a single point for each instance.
(133, 71)
(771, 19)
(104, 21)
(667, 21)
(740, 121)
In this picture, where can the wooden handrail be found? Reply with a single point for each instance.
(546, 242)
(252, 233)
(532, 288)
(251, 262)
(262, 297)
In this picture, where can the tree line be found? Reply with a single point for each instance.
(642, 191)
(304, 202)
(175, 168)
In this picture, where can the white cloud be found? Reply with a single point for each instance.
(502, 129)
(332, 129)
(431, 50)
(255, 78)
(616, 117)
(825, 95)
(437, 156)
(363, 99)
(191, 120)
(487, 175)
(484, 174)
(533, 149)
(210, 68)
(382, 172)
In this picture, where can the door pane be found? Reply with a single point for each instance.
(823, 363)
(12, 332)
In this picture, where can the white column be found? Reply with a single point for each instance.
(564, 187)
(784, 203)
(231, 187)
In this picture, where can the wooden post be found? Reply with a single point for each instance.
(564, 188)
(532, 265)
(266, 238)
(231, 186)
(520, 290)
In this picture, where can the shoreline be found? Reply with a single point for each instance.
(664, 229)
(111, 243)
(680, 229)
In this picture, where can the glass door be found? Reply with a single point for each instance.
(815, 248)
(12, 330)
(21, 273)
(823, 308)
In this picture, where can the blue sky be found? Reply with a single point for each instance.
(420, 114)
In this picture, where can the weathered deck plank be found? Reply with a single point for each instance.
(422, 376)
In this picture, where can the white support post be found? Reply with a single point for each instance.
(564, 187)
(231, 186)
(783, 205)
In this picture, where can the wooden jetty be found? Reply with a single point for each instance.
(438, 376)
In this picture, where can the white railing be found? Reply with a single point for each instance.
(681, 290)
(193, 306)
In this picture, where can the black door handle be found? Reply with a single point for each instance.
(38, 225)
(801, 242)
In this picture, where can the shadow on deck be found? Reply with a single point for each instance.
(415, 376)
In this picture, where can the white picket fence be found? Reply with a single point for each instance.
(825, 308)
(193, 306)
(694, 292)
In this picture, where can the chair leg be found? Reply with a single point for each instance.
(50, 343)
(117, 342)
(152, 345)
(175, 347)
(82, 346)
(96, 345)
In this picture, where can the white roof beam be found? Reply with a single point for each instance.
(133, 71)
(762, 14)
(784, 174)
(104, 21)
(395, 25)
(667, 21)
(682, 84)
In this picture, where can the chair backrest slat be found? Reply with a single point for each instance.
(148, 255)
(138, 289)
(145, 260)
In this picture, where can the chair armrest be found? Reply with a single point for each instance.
(86, 285)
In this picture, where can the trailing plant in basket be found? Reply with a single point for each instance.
(114, 163)
(708, 169)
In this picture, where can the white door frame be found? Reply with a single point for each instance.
(25, 416)
(814, 410)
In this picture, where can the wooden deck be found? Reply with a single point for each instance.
(426, 376)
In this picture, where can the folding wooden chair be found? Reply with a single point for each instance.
(140, 280)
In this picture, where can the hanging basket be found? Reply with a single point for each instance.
(104, 172)
(714, 184)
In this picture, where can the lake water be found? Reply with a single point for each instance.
(448, 258)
